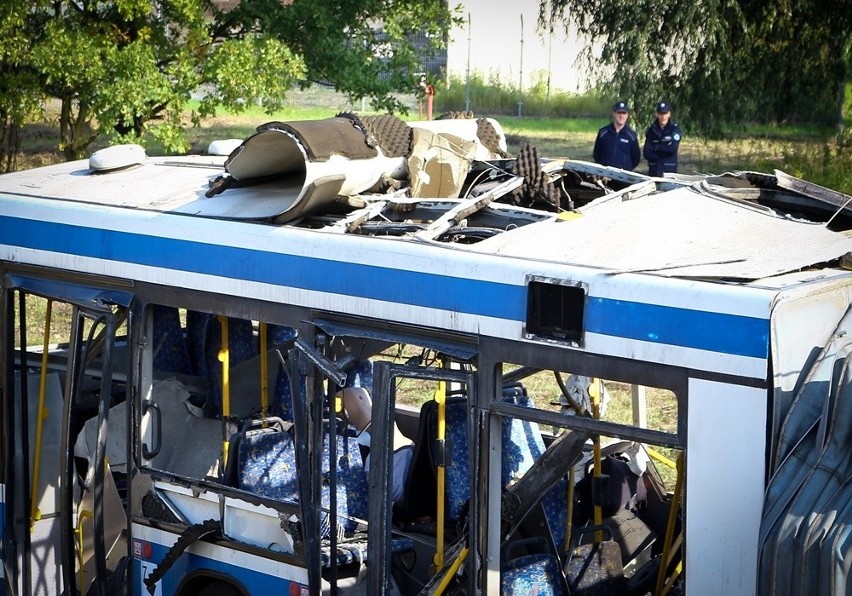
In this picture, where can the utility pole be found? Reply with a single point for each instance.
(467, 76)
(521, 77)
(549, 54)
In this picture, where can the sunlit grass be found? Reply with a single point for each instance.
(563, 126)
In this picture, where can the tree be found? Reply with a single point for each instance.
(20, 92)
(362, 47)
(129, 67)
(717, 61)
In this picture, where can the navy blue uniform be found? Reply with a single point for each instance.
(661, 146)
(619, 149)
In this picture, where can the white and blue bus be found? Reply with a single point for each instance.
(538, 339)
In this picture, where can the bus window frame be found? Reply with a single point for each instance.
(544, 356)
(307, 551)
(88, 301)
(385, 376)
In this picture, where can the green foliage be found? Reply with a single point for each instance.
(341, 45)
(829, 163)
(494, 98)
(717, 60)
(260, 68)
(119, 68)
(126, 69)
(20, 92)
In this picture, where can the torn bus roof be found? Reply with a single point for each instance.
(680, 233)
(451, 183)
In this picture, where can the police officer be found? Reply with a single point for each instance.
(616, 143)
(662, 140)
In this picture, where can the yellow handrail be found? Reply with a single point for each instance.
(445, 581)
(663, 586)
(441, 400)
(84, 514)
(225, 359)
(35, 513)
(661, 458)
(595, 394)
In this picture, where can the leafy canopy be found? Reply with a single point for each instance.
(127, 68)
(717, 61)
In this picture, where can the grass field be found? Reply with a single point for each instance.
(806, 152)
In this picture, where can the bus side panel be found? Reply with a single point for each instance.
(726, 459)
(256, 574)
(802, 325)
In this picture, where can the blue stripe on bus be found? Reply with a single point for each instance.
(307, 273)
(724, 333)
(717, 332)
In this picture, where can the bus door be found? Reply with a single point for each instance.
(63, 364)
(447, 439)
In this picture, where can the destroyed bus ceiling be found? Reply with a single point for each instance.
(450, 181)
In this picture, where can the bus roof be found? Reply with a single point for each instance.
(677, 228)
(697, 262)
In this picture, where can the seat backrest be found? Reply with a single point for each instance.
(532, 574)
(522, 440)
(196, 331)
(419, 497)
(457, 474)
(555, 507)
(281, 400)
(360, 375)
(263, 460)
(529, 566)
(170, 349)
(522, 445)
(352, 485)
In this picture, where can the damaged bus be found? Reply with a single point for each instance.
(577, 378)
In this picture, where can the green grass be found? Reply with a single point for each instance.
(562, 127)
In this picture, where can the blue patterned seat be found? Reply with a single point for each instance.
(457, 473)
(522, 441)
(555, 506)
(170, 349)
(360, 375)
(281, 400)
(522, 445)
(266, 464)
(196, 331)
(537, 574)
(352, 486)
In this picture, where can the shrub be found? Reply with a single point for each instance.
(496, 98)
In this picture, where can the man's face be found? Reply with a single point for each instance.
(663, 118)
(620, 118)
